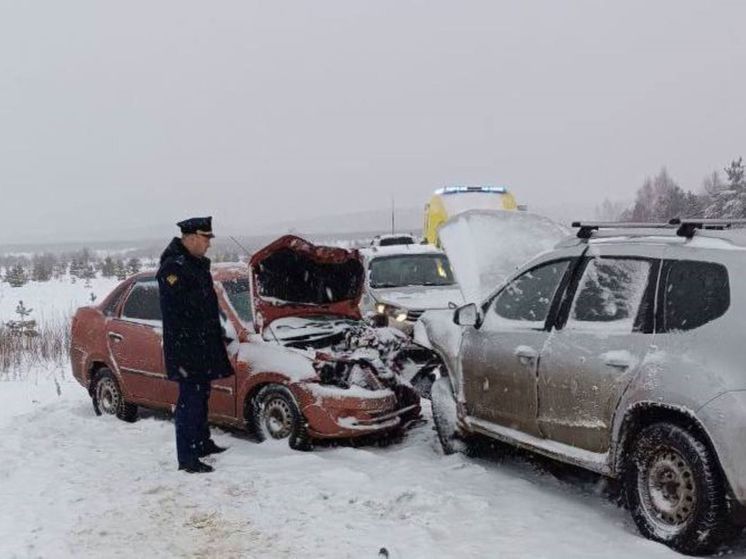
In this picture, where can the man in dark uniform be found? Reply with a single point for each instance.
(193, 344)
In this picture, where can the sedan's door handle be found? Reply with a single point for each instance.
(116, 337)
(526, 355)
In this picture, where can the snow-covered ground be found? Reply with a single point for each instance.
(52, 300)
(76, 485)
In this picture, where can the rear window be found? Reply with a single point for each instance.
(143, 302)
(111, 306)
(694, 294)
(390, 241)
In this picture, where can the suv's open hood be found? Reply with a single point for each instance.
(485, 246)
(292, 277)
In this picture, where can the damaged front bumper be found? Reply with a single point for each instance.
(347, 413)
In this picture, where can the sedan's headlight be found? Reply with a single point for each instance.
(397, 313)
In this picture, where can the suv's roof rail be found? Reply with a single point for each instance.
(688, 226)
(685, 227)
(586, 228)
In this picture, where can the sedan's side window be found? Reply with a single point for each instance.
(143, 302)
(529, 297)
(610, 294)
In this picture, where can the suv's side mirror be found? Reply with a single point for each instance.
(468, 315)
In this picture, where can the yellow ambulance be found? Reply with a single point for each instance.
(451, 200)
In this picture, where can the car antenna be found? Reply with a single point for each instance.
(248, 254)
(243, 248)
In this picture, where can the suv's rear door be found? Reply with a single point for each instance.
(602, 334)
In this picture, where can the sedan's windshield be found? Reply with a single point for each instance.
(238, 295)
(410, 269)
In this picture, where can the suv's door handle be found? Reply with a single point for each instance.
(116, 337)
(526, 355)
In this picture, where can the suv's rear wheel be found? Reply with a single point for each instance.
(108, 398)
(675, 491)
(274, 414)
(446, 420)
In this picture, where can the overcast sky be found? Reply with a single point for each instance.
(120, 116)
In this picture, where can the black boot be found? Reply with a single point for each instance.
(196, 468)
(211, 448)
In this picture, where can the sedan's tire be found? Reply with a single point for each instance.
(675, 490)
(446, 421)
(108, 398)
(274, 414)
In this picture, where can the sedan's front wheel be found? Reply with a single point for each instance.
(275, 415)
(675, 491)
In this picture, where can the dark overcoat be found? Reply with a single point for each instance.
(193, 344)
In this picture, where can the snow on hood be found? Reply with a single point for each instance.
(297, 329)
(293, 277)
(485, 246)
(261, 356)
(418, 297)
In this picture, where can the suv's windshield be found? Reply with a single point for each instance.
(410, 269)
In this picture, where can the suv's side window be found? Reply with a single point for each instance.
(694, 293)
(143, 302)
(529, 297)
(610, 292)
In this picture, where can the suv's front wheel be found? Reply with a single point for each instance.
(446, 420)
(675, 491)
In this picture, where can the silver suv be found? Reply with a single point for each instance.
(622, 351)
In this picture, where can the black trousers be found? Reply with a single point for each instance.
(192, 430)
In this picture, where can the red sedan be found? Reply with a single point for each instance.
(307, 367)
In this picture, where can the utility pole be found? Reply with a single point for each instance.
(393, 210)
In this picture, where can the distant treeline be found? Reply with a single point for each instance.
(84, 264)
(660, 198)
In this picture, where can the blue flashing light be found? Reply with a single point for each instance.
(463, 189)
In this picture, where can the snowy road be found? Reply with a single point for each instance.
(76, 485)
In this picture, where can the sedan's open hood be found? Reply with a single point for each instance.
(293, 277)
(486, 246)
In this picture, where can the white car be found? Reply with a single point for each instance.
(392, 239)
(404, 281)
